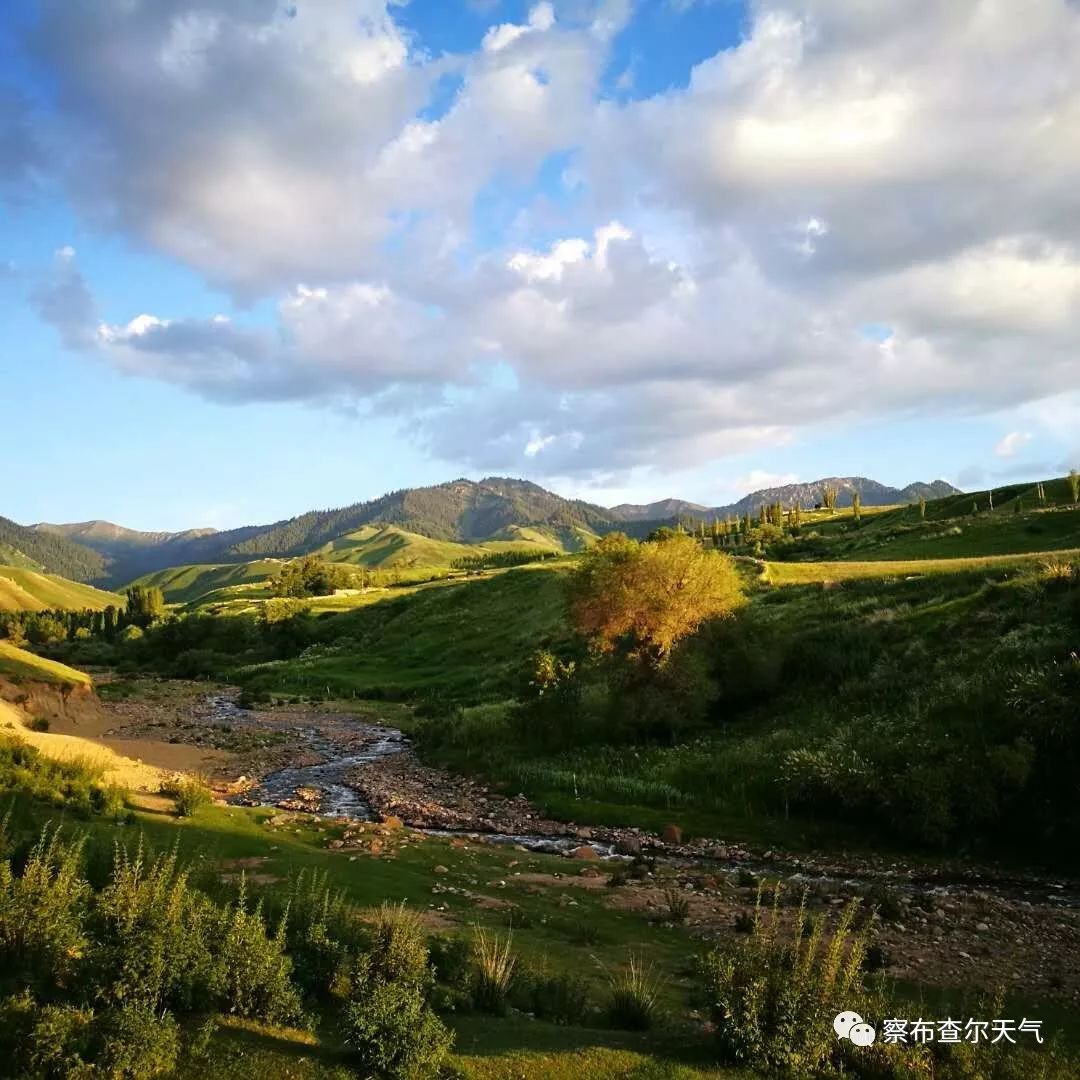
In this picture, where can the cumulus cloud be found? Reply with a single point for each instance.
(1008, 446)
(757, 479)
(708, 290)
(64, 300)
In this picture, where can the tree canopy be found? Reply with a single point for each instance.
(644, 598)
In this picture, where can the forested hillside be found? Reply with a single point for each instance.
(22, 546)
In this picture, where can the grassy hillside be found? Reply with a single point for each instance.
(407, 556)
(18, 665)
(185, 584)
(22, 546)
(960, 526)
(806, 573)
(22, 589)
(389, 547)
(460, 641)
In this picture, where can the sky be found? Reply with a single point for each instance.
(262, 257)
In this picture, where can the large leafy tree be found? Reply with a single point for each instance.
(642, 599)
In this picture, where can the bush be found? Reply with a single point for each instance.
(135, 1044)
(42, 915)
(774, 993)
(322, 931)
(72, 785)
(677, 903)
(562, 998)
(388, 1022)
(188, 792)
(393, 1033)
(251, 973)
(634, 997)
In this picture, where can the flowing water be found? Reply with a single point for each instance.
(339, 799)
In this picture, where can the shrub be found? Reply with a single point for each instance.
(322, 930)
(388, 1023)
(188, 792)
(250, 976)
(39, 723)
(634, 996)
(393, 1033)
(562, 998)
(135, 1044)
(73, 785)
(494, 971)
(42, 914)
(773, 994)
(153, 935)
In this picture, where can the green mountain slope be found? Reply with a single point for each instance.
(462, 510)
(955, 527)
(372, 547)
(185, 584)
(463, 640)
(22, 589)
(28, 547)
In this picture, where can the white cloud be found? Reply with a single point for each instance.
(757, 479)
(1008, 446)
(847, 165)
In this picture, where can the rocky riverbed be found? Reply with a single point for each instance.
(949, 923)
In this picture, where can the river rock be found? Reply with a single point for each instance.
(584, 852)
(628, 845)
(672, 834)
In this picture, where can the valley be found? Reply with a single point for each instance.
(861, 719)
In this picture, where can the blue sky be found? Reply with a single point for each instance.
(255, 260)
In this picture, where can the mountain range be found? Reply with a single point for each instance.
(789, 495)
(464, 511)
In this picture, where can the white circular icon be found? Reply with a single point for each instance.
(862, 1034)
(844, 1022)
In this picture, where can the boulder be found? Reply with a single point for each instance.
(672, 834)
(584, 852)
(628, 845)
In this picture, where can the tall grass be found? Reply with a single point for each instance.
(494, 963)
(634, 996)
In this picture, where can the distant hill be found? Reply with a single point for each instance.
(55, 554)
(789, 495)
(126, 554)
(495, 509)
(461, 511)
(375, 547)
(664, 510)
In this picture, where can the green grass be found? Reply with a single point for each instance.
(546, 933)
(184, 584)
(23, 589)
(800, 573)
(391, 548)
(18, 665)
(462, 641)
(1019, 523)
